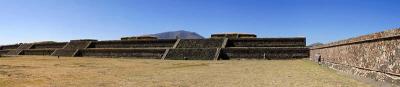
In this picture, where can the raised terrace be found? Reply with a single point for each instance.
(219, 46)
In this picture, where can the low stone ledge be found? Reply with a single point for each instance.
(394, 80)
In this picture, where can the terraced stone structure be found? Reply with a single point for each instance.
(138, 38)
(375, 56)
(172, 49)
(233, 35)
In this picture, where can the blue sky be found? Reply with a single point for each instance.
(318, 20)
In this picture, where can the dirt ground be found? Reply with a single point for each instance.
(39, 71)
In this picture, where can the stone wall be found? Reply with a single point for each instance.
(200, 43)
(48, 45)
(8, 47)
(267, 42)
(167, 43)
(265, 52)
(375, 56)
(38, 52)
(3, 52)
(146, 53)
(31, 48)
(192, 54)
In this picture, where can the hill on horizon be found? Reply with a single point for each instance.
(182, 34)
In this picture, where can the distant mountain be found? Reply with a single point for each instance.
(180, 34)
(315, 44)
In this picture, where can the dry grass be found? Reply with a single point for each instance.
(38, 71)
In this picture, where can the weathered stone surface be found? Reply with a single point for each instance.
(77, 45)
(48, 45)
(146, 53)
(200, 43)
(201, 49)
(376, 75)
(365, 38)
(265, 52)
(65, 52)
(233, 35)
(164, 43)
(378, 52)
(20, 49)
(267, 42)
(191, 54)
(38, 52)
(139, 38)
(8, 47)
(2, 52)
(196, 49)
(72, 48)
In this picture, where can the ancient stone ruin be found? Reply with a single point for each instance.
(375, 56)
(233, 35)
(219, 46)
(138, 38)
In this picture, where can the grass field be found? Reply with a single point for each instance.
(39, 71)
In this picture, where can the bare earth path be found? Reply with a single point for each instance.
(39, 71)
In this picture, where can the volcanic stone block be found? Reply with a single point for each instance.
(265, 52)
(165, 43)
(38, 52)
(267, 42)
(200, 43)
(192, 54)
(139, 53)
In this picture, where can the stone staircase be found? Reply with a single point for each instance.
(20, 49)
(196, 49)
(71, 49)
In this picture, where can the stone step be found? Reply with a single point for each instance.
(19, 49)
(65, 52)
(71, 49)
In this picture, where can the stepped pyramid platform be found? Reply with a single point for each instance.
(19, 49)
(219, 46)
(71, 49)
